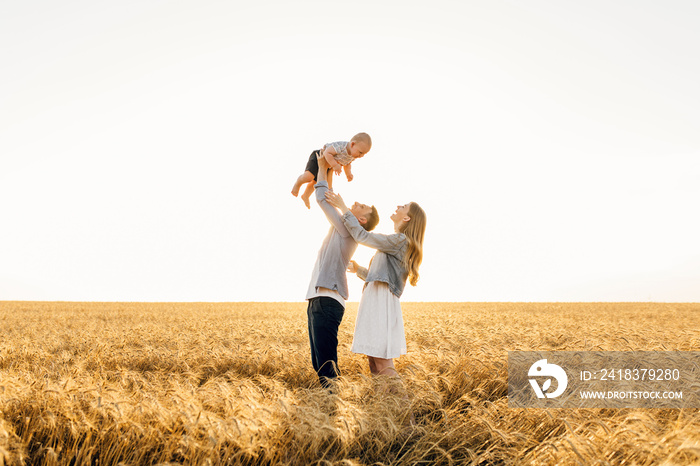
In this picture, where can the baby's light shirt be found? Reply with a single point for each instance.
(341, 149)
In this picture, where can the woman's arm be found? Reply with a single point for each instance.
(390, 244)
(361, 272)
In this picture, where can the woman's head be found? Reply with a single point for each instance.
(410, 219)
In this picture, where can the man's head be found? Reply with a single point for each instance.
(360, 144)
(366, 215)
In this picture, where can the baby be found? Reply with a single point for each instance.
(339, 155)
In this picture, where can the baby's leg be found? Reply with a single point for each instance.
(305, 177)
(307, 194)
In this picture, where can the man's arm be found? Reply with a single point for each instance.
(321, 189)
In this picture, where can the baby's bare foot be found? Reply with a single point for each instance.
(306, 202)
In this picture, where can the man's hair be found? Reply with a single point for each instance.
(362, 137)
(372, 220)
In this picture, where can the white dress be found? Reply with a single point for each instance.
(379, 328)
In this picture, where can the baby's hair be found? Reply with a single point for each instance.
(362, 137)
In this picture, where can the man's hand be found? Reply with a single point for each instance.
(336, 201)
(322, 162)
(352, 267)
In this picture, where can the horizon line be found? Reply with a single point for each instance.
(347, 302)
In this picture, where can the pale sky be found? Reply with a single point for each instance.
(148, 148)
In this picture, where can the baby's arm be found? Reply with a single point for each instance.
(328, 154)
(347, 171)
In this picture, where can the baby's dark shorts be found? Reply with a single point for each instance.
(312, 164)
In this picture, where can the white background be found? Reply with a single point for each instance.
(148, 148)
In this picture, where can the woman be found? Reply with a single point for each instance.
(379, 331)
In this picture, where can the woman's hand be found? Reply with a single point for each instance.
(336, 201)
(352, 268)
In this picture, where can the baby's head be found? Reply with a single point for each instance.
(360, 144)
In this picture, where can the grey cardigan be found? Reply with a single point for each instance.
(337, 248)
(386, 264)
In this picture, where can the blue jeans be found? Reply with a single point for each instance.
(324, 316)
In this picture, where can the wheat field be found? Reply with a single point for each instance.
(232, 383)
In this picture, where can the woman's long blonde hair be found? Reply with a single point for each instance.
(415, 231)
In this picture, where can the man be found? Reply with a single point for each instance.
(328, 288)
